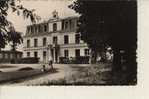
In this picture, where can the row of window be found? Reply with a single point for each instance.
(69, 24)
(35, 54)
(44, 28)
(66, 53)
(55, 40)
(77, 52)
(37, 28)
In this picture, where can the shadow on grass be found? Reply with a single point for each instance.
(3, 67)
(94, 76)
(30, 77)
(78, 68)
(25, 69)
(51, 71)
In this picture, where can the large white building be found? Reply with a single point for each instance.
(56, 37)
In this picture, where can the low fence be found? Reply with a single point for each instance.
(29, 60)
(74, 60)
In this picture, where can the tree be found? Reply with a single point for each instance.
(14, 38)
(112, 23)
(91, 25)
(5, 5)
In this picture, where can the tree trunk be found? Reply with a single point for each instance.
(13, 47)
(116, 61)
(131, 65)
(93, 56)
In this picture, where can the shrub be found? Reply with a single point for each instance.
(29, 60)
(25, 69)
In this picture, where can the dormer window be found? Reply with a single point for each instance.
(36, 29)
(54, 27)
(39, 28)
(66, 25)
(62, 24)
(70, 23)
(31, 29)
(55, 14)
(28, 30)
(28, 43)
(45, 28)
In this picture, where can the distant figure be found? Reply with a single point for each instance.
(43, 68)
(51, 62)
(109, 56)
(99, 59)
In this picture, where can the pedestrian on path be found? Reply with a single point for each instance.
(51, 62)
(43, 68)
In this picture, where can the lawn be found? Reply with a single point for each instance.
(99, 74)
(86, 75)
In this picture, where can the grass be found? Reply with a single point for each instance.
(25, 69)
(94, 75)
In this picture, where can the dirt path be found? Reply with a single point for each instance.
(63, 71)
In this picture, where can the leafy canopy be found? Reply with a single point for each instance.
(5, 25)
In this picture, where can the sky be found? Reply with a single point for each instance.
(44, 9)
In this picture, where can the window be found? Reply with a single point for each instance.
(62, 24)
(45, 28)
(35, 42)
(70, 22)
(36, 54)
(44, 41)
(28, 54)
(66, 53)
(54, 40)
(28, 43)
(86, 52)
(77, 38)
(54, 27)
(66, 39)
(28, 29)
(77, 52)
(36, 29)
(32, 29)
(44, 55)
(73, 24)
(66, 25)
(54, 16)
(39, 28)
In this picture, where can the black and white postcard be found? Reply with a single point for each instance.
(71, 43)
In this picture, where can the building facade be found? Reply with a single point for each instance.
(54, 38)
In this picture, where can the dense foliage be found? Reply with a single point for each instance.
(110, 23)
(5, 6)
(14, 38)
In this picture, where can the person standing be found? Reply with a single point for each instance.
(50, 59)
(51, 62)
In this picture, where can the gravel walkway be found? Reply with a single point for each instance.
(63, 71)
